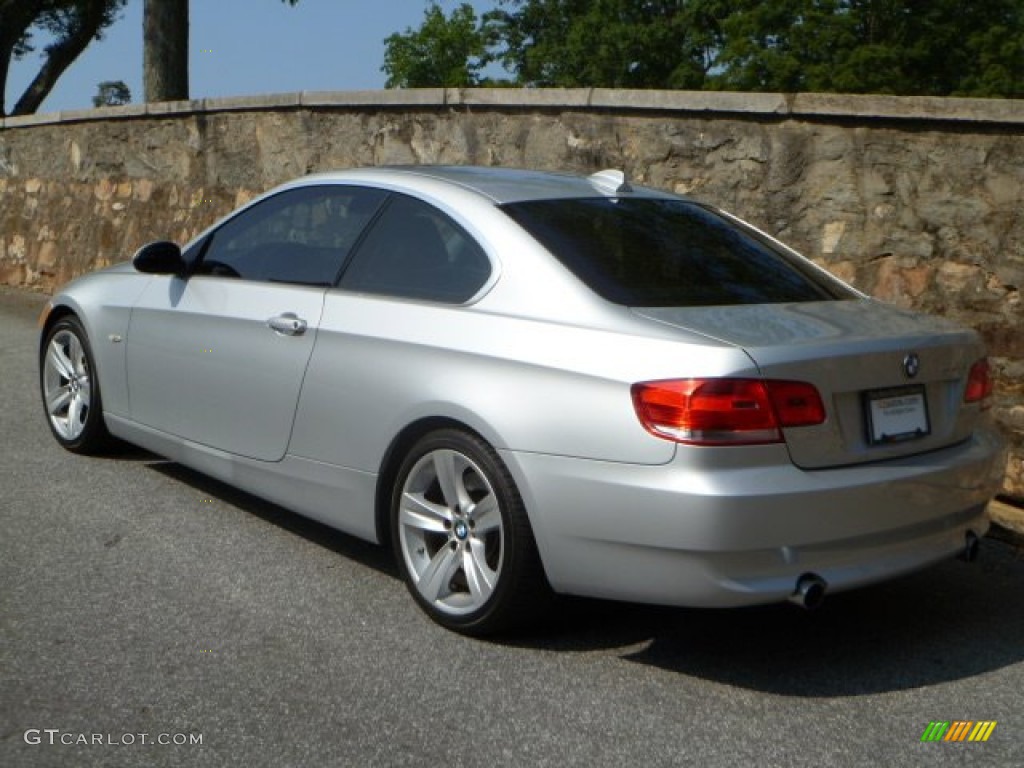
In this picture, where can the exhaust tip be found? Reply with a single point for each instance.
(810, 591)
(972, 547)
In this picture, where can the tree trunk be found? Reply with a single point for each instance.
(60, 55)
(16, 16)
(6, 52)
(165, 58)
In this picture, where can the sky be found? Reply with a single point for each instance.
(242, 47)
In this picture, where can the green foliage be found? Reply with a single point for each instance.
(999, 55)
(112, 93)
(72, 25)
(62, 19)
(612, 43)
(909, 47)
(444, 52)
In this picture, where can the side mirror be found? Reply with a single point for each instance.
(160, 258)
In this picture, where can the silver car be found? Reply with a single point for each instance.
(533, 383)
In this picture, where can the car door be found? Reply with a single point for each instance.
(218, 358)
(383, 345)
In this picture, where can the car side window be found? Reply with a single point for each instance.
(415, 251)
(299, 236)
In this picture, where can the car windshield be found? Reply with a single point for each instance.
(644, 252)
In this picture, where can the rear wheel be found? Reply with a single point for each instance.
(70, 389)
(462, 538)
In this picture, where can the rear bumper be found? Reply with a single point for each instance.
(699, 532)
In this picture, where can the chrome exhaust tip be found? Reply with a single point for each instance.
(810, 591)
(972, 547)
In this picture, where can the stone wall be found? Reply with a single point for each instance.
(917, 201)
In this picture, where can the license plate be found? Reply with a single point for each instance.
(896, 414)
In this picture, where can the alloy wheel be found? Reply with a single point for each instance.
(67, 384)
(450, 530)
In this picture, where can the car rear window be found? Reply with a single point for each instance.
(669, 253)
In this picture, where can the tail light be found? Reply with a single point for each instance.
(979, 384)
(725, 411)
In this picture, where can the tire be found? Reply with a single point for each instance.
(462, 539)
(70, 389)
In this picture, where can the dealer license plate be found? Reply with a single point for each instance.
(896, 414)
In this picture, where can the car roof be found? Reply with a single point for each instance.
(501, 185)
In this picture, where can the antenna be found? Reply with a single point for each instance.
(611, 182)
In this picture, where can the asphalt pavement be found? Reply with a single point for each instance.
(151, 616)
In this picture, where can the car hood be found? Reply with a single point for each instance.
(120, 267)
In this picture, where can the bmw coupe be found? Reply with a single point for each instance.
(534, 383)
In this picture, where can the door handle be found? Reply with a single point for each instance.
(287, 324)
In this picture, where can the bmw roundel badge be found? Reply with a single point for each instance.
(911, 365)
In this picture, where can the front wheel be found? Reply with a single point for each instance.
(70, 389)
(462, 538)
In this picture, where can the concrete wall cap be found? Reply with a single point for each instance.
(867, 106)
(25, 121)
(690, 101)
(398, 97)
(806, 106)
(257, 101)
(522, 98)
(162, 108)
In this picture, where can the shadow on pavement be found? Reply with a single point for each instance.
(365, 553)
(950, 622)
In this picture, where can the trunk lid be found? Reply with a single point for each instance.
(859, 354)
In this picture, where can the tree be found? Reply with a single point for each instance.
(444, 52)
(165, 49)
(907, 47)
(923, 47)
(112, 93)
(611, 43)
(73, 24)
